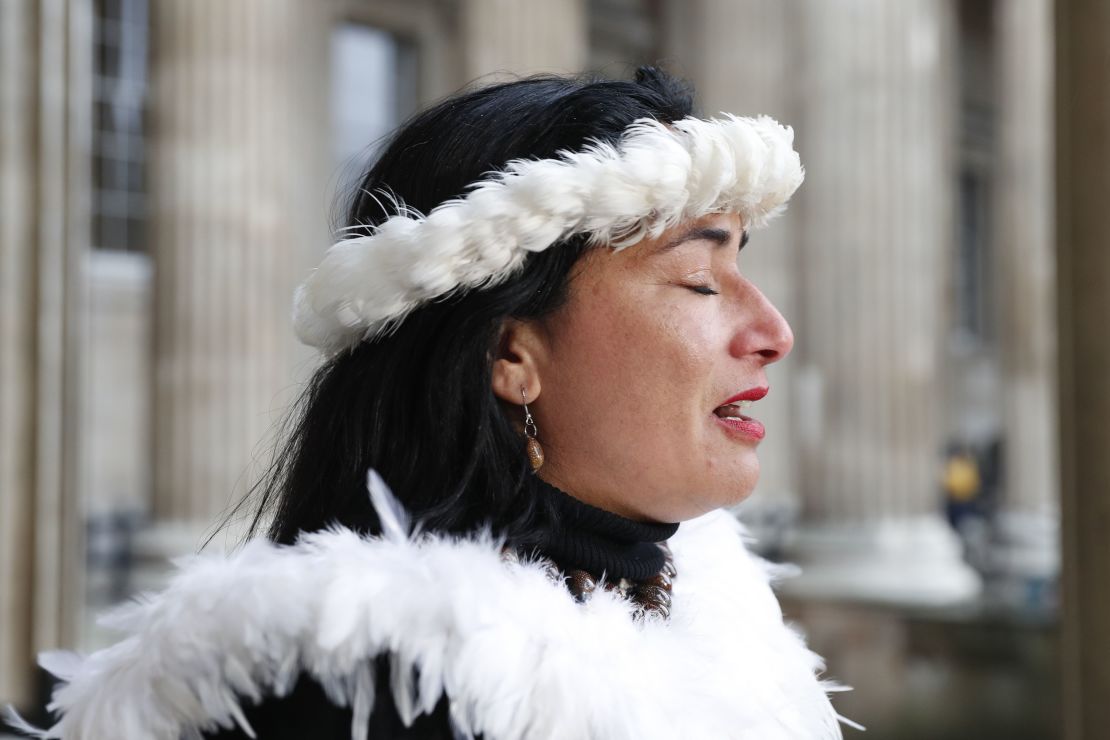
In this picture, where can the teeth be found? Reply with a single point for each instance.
(733, 409)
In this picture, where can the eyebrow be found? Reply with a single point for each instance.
(719, 237)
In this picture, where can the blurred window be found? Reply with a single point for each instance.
(374, 86)
(974, 273)
(121, 63)
(624, 33)
(972, 268)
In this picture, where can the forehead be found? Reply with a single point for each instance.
(719, 229)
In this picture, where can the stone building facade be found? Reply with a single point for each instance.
(167, 173)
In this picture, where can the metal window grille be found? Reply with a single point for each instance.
(120, 77)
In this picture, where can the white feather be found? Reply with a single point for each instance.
(654, 178)
(513, 651)
(391, 514)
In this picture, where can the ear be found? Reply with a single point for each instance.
(521, 351)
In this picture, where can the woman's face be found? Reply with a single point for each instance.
(631, 375)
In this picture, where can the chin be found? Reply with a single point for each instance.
(742, 497)
(738, 488)
(733, 495)
(721, 496)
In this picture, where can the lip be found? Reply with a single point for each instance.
(752, 394)
(744, 427)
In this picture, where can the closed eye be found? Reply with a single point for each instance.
(702, 289)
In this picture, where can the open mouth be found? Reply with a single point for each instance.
(732, 410)
(737, 423)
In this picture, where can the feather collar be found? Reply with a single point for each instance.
(511, 648)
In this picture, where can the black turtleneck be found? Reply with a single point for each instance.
(595, 540)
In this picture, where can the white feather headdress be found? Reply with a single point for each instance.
(656, 176)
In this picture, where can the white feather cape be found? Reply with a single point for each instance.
(516, 655)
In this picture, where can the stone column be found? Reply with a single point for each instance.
(17, 365)
(1028, 544)
(1083, 287)
(239, 161)
(518, 37)
(44, 85)
(875, 228)
(737, 55)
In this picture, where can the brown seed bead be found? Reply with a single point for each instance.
(535, 453)
(581, 584)
(660, 596)
(642, 610)
(647, 593)
(661, 580)
(669, 569)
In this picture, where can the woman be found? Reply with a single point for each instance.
(539, 347)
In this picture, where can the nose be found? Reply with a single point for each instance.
(761, 329)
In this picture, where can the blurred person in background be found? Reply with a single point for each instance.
(497, 511)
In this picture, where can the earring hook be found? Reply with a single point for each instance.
(530, 429)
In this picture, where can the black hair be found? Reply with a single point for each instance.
(417, 405)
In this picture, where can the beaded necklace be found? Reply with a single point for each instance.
(650, 595)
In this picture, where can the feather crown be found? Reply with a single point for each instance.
(654, 177)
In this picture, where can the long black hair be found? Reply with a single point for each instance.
(417, 405)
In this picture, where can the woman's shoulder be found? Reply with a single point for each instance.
(273, 633)
(502, 640)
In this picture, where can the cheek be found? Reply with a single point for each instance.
(643, 354)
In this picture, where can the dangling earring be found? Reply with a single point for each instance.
(532, 447)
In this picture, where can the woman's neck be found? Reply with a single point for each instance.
(598, 541)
